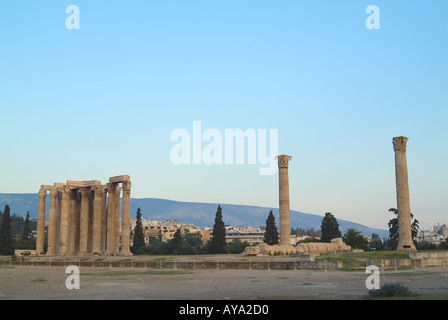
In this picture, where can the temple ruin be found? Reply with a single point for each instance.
(84, 218)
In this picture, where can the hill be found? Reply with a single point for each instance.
(200, 214)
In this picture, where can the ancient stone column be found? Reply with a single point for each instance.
(65, 220)
(72, 223)
(125, 219)
(283, 182)
(103, 220)
(41, 221)
(77, 219)
(110, 239)
(84, 221)
(58, 222)
(117, 219)
(90, 224)
(97, 202)
(51, 250)
(405, 242)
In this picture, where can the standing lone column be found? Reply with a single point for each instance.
(283, 183)
(41, 222)
(125, 219)
(405, 242)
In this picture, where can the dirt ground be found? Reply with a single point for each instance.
(31, 282)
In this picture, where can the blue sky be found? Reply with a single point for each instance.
(102, 100)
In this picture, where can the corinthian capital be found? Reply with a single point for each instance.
(283, 160)
(98, 189)
(42, 192)
(126, 186)
(400, 143)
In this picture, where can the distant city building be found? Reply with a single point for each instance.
(164, 230)
(438, 235)
(248, 234)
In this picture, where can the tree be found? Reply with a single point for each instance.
(353, 238)
(27, 239)
(393, 230)
(218, 240)
(177, 240)
(271, 233)
(376, 244)
(236, 246)
(138, 240)
(329, 228)
(6, 240)
(443, 245)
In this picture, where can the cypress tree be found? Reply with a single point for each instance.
(6, 240)
(177, 240)
(218, 241)
(271, 233)
(27, 239)
(329, 228)
(138, 240)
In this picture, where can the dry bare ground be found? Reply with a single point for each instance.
(42, 282)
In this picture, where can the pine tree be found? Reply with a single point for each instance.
(392, 243)
(329, 228)
(218, 241)
(6, 240)
(139, 240)
(271, 233)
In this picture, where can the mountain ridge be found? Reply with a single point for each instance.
(200, 214)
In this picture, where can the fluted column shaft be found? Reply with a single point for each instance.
(283, 180)
(110, 240)
(41, 222)
(117, 219)
(65, 220)
(103, 220)
(72, 223)
(97, 201)
(125, 219)
(84, 221)
(51, 250)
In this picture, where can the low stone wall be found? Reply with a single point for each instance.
(129, 263)
(416, 259)
(391, 263)
(429, 259)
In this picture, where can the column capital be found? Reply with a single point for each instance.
(65, 190)
(98, 189)
(84, 192)
(283, 160)
(400, 143)
(42, 191)
(126, 186)
(111, 187)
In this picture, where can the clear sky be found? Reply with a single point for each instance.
(102, 100)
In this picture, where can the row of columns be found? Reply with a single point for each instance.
(84, 218)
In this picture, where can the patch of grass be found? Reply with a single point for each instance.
(357, 260)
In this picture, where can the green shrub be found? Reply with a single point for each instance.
(391, 290)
